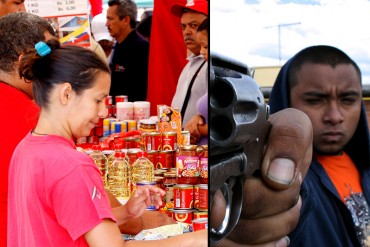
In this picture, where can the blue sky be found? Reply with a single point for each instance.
(261, 32)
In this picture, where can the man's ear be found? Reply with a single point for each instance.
(65, 93)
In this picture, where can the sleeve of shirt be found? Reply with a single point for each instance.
(80, 201)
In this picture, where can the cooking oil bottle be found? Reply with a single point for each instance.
(120, 176)
(142, 169)
(101, 161)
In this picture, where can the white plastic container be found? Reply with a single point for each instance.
(141, 110)
(125, 111)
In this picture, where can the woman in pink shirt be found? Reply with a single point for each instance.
(56, 195)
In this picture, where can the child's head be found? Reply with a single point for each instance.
(71, 81)
(202, 38)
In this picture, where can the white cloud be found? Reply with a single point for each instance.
(250, 32)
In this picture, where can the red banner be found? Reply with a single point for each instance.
(167, 56)
(96, 7)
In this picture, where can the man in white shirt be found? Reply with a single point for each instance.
(196, 70)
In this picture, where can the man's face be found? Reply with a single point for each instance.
(10, 6)
(116, 27)
(190, 22)
(331, 97)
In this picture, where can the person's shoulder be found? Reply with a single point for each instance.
(65, 149)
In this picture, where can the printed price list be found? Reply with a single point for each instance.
(56, 7)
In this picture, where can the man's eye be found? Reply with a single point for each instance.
(313, 101)
(349, 100)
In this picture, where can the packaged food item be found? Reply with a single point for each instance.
(169, 120)
(203, 167)
(187, 165)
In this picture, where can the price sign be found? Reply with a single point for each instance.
(69, 18)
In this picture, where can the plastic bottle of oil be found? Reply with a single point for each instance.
(101, 161)
(142, 169)
(120, 176)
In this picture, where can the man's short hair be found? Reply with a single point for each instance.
(23, 30)
(126, 8)
(320, 54)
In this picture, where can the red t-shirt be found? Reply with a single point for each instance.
(19, 115)
(56, 194)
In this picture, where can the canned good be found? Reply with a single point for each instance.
(196, 196)
(109, 100)
(153, 157)
(152, 141)
(109, 111)
(106, 126)
(186, 137)
(148, 125)
(119, 127)
(203, 166)
(131, 142)
(169, 194)
(169, 141)
(187, 165)
(121, 98)
(182, 215)
(203, 197)
(200, 214)
(199, 224)
(165, 159)
(169, 178)
(132, 155)
(183, 196)
(131, 125)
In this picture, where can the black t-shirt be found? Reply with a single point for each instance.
(129, 68)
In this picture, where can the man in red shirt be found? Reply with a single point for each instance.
(19, 112)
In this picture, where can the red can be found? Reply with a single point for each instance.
(152, 141)
(165, 159)
(200, 214)
(131, 142)
(199, 224)
(203, 197)
(196, 196)
(121, 98)
(109, 111)
(153, 157)
(183, 196)
(108, 100)
(183, 215)
(132, 155)
(169, 141)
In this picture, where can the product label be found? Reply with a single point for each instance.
(187, 166)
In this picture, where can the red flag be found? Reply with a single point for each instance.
(96, 7)
(167, 55)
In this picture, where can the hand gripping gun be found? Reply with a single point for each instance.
(238, 133)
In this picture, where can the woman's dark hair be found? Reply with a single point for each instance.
(204, 26)
(74, 64)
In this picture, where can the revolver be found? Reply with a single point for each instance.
(238, 131)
